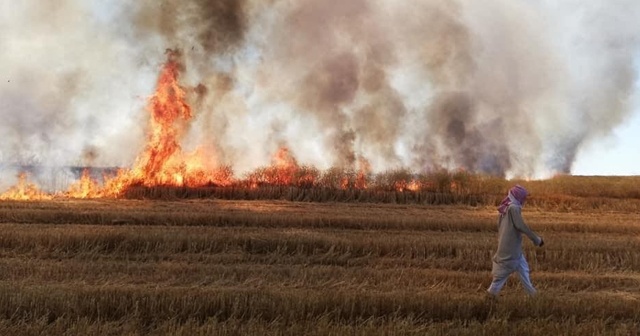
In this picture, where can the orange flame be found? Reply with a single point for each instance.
(344, 183)
(86, 187)
(284, 168)
(282, 172)
(167, 107)
(414, 185)
(363, 172)
(24, 191)
(162, 162)
(403, 185)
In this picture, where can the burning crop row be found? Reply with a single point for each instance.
(419, 85)
(163, 162)
(289, 175)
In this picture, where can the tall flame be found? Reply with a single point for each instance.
(160, 162)
(163, 163)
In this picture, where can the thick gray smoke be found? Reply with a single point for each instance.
(511, 88)
(67, 89)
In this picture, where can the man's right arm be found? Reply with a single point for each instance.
(521, 226)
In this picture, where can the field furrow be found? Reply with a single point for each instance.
(138, 267)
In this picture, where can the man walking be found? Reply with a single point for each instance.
(509, 258)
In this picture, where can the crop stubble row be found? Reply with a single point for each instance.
(403, 269)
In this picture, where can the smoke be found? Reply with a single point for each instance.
(330, 62)
(61, 91)
(510, 88)
(496, 87)
(201, 28)
(603, 43)
(212, 25)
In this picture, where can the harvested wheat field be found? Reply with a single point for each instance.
(214, 267)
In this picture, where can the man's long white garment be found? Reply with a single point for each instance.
(509, 258)
(502, 272)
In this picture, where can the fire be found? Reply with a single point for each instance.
(284, 168)
(400, 185)
(363, 173)
(160, 164)
(167, 107)
(284, 171)
(163, 162)
(24, 191)
(344, 183)
(413, 185)
(357, 180)
(307, 177)
(403, 185)
(86, 187)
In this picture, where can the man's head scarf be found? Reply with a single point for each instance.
(517, 196)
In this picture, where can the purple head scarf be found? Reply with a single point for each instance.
(517, 196)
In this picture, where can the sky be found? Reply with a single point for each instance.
(617, 154)
(75, 83)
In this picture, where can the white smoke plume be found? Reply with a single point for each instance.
(511, 88)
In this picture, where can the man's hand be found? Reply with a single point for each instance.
(541, 242)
